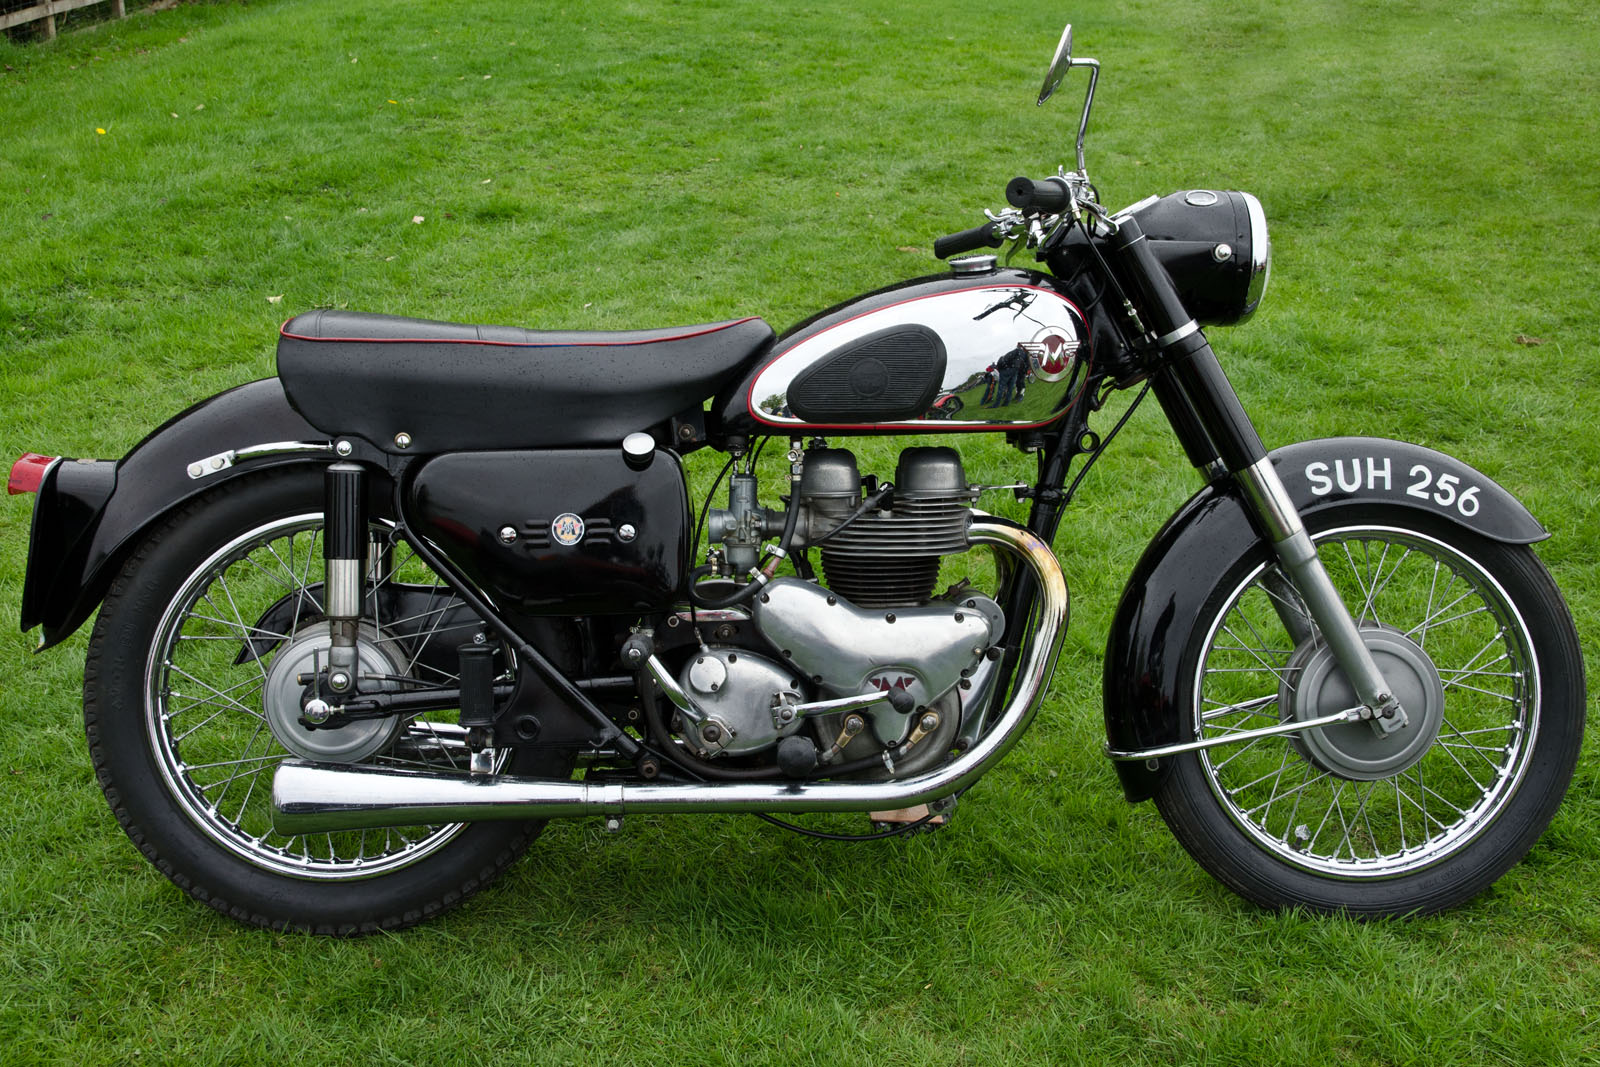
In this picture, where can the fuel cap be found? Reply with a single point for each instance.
(973, 264)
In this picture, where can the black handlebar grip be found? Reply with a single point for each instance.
(965, 241)
(1048, 195)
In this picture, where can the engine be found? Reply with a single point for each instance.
(888, 556)
(780, 676)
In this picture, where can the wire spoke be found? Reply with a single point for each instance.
(1434, 624)
(1509, 698)
(1400, 813)
(224, 697)
(1510, 727)
(234, 607)
(245, 631)
(1254, 655)
(1296, 606)
(1462, 766)
(1283, 765)
(305, 578)
(1285, 652)
(232, 762)
(250, 685)
(1516, 675)
(1355, 574)
(1379, 587)
(1301, 788)
(1248, 707)
(1463, 743)
(1247, 747)
(1311, 842)
(227, 783)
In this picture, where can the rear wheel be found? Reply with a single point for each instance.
(192, 698)
(1477, 643)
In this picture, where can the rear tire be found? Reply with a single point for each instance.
(1288, 822)
(181, 607)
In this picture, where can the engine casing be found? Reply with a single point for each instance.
(844, 649)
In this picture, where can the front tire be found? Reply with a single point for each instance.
(1331, 821)
(180, 695)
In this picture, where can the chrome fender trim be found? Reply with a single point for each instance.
(317, 798)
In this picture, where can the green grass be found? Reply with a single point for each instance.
(1430, 173)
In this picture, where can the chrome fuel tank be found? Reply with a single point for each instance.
(999, 350)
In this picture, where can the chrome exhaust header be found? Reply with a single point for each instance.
(320, 798)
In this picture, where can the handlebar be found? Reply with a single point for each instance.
(1047, 195)
(978, 237)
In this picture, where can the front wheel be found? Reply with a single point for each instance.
(1477, 643)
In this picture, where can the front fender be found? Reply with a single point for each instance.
(1162, 602)
(90, 514)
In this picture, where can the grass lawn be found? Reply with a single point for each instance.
(174, 185)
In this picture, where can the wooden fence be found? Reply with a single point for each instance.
(49, 9)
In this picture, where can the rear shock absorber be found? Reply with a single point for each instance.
(344, 553)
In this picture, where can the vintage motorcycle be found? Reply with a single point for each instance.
(365, 625)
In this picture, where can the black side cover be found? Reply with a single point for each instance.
(560, 531)
(883, 377)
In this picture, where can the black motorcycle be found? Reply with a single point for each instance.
(365, 625)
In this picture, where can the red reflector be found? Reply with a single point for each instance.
(28, 472)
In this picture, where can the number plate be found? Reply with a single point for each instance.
(1354, 469)
(1374, 474)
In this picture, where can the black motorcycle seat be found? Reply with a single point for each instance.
(454, 387)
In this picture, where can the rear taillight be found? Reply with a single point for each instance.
(28, 472)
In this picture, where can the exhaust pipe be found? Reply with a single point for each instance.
(319, 798)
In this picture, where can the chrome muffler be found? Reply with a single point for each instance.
(320, 798)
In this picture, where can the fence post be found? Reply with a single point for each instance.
(46, 11)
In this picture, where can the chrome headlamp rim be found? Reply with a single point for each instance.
(1260, 256)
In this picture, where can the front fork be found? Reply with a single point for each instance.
(1218, 436)
(1264, 492)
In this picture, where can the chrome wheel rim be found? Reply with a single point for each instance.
(1315, 819)
(205, 681)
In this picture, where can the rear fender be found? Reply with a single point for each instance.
(1213, 531)
(90, 513)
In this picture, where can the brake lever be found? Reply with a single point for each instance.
(1007, 222)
